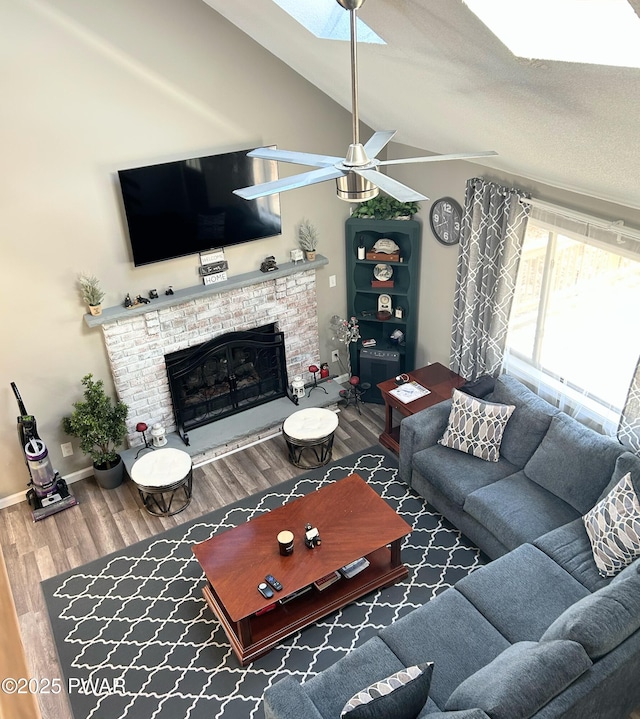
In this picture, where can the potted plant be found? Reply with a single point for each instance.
(91, 293)
(384, 207)
(308, 239)
(101, 427)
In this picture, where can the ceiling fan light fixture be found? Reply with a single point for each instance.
(355, 188)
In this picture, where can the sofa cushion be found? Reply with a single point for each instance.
(573, 462)
(456, 474)
(626, 462)
(476, 426)
(525, 577)
(463, 714)
(517, 510)
(570, 547)
(613, 526)
(519, 682)
(401, 695)
(528, 423)
(330, 689)
(602, 620)
(450, 632)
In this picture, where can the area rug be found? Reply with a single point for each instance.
(136, 640)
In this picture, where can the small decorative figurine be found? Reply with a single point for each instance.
(153, 294)
(169, 290)
(140, 300)
(269, 264)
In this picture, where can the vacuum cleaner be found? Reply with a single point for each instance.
(48, 493)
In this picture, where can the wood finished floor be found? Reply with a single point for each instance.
(106, 521)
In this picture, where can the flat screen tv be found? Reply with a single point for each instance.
(187, 206)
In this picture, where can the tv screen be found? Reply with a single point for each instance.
(180, 208)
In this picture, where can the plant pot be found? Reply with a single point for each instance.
(109, 477)
(95, 310)
(310, 255)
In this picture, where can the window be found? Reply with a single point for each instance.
(601, 32)
(327, 20)
(575, 324)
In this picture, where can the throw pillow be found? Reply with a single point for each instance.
(402, 695)
(613, 527)
(476, 426)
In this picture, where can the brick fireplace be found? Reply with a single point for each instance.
(137, 340)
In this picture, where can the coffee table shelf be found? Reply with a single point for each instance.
(374, 531)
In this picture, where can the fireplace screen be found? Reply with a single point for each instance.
(226, 375)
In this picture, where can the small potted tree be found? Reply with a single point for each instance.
(308, 239)
(100, 426)
(91, 293)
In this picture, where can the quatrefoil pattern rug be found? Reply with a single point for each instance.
(138, 641)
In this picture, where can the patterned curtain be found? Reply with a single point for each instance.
(493, 229)
(629, 427)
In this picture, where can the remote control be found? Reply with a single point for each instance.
(274, 582)
(265, 590)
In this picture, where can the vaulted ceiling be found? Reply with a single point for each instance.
(447, 84)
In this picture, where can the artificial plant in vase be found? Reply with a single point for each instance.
(384, 207)
(100, 426)
(308, 239)
(91, 293)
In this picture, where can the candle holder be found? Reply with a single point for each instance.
(142, 428)
(314, 369)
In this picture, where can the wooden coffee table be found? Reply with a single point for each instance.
(353, 522)
(437, 378)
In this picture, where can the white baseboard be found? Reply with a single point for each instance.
(22, 496)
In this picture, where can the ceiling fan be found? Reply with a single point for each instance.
(357, 175)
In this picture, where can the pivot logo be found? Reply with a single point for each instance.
(96, 686)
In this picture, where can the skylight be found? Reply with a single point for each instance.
(598, 32)
(327, 20)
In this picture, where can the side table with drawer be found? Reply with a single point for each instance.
(438, 379)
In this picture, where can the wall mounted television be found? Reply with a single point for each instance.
(183, 207)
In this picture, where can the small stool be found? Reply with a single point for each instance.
(162, 477)
(309, 436)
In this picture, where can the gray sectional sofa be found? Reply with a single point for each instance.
(537, 632)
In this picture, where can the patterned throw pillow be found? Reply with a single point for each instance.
(475, 426)
(401, 696)
(613, 526)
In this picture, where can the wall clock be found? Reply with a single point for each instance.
(445, 219)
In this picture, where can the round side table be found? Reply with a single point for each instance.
(164, 480)
(309, 436)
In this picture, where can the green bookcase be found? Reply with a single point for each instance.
(362, 297)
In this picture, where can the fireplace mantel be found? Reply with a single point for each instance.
(113, 314)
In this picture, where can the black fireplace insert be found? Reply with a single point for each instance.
(226, 375)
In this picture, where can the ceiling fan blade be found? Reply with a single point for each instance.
(378, 141)
(438, 158)
(297, 158)
(289, 183)
(392, 187)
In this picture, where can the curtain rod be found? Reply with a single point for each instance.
(616, 226)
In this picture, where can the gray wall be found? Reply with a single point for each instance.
(92, 87)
